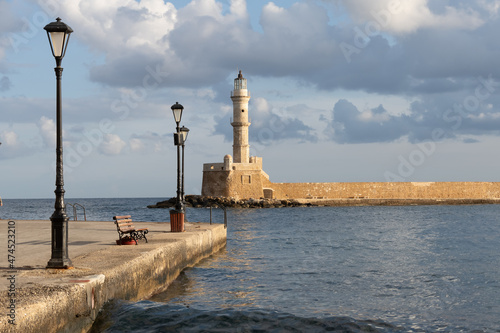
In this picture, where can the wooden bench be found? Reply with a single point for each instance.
(125, 228)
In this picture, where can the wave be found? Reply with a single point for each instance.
(148, 316)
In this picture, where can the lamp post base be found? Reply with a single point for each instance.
(62, 264)
(176, 221)
(59, 258)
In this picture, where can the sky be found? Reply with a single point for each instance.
(341, 91)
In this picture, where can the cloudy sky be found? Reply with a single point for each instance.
(342, 90)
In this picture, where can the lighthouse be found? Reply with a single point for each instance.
(239, 176)
(240, 121)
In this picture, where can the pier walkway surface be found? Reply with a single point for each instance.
(37, 299)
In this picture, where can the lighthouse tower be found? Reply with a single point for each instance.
(239, 176)
(240, 122)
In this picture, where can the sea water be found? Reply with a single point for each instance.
(316, 269)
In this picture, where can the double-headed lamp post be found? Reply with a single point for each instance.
(180, 136)
(177, 111)
(58, 33)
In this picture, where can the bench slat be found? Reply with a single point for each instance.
(119, 217)
(127, 228)
(125, 223)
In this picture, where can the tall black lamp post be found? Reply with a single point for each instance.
(177, 111)
(177, 214)
(58, 33)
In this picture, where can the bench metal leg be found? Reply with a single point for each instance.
(141, 235)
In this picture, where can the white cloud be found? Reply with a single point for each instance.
(401, 17)
(260, 104)
(492, 6)
(213, 9)
(271, 9)
(197, 8)
(147, 142)
(9, 139)
(47, 130)
(112, 144)
(11, 146)
(136, 145)
(198, 44)
(112, 25)
(239, 9)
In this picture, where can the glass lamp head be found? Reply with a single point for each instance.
(184, 133)
(177, 111)
(58, 33)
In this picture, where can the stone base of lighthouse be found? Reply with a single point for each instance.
(235, 180)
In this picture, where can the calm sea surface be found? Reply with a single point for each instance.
(346, 269)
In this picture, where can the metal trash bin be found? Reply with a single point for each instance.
(176, 221)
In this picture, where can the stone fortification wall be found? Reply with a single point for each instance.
(215, 183)
(234, 180)
(239, 184)
(245, 184)
(248, 180)
(386, 190)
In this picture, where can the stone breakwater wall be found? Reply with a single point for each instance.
(384, 190)
(246, 183)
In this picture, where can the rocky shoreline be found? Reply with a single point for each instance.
(198, 201)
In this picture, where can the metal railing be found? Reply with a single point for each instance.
(75, 213)
(225, 215)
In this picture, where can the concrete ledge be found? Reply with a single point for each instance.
(53, 300)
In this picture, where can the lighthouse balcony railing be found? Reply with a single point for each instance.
(247, 95)
(249, 120)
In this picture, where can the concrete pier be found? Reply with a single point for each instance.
(37, 299)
